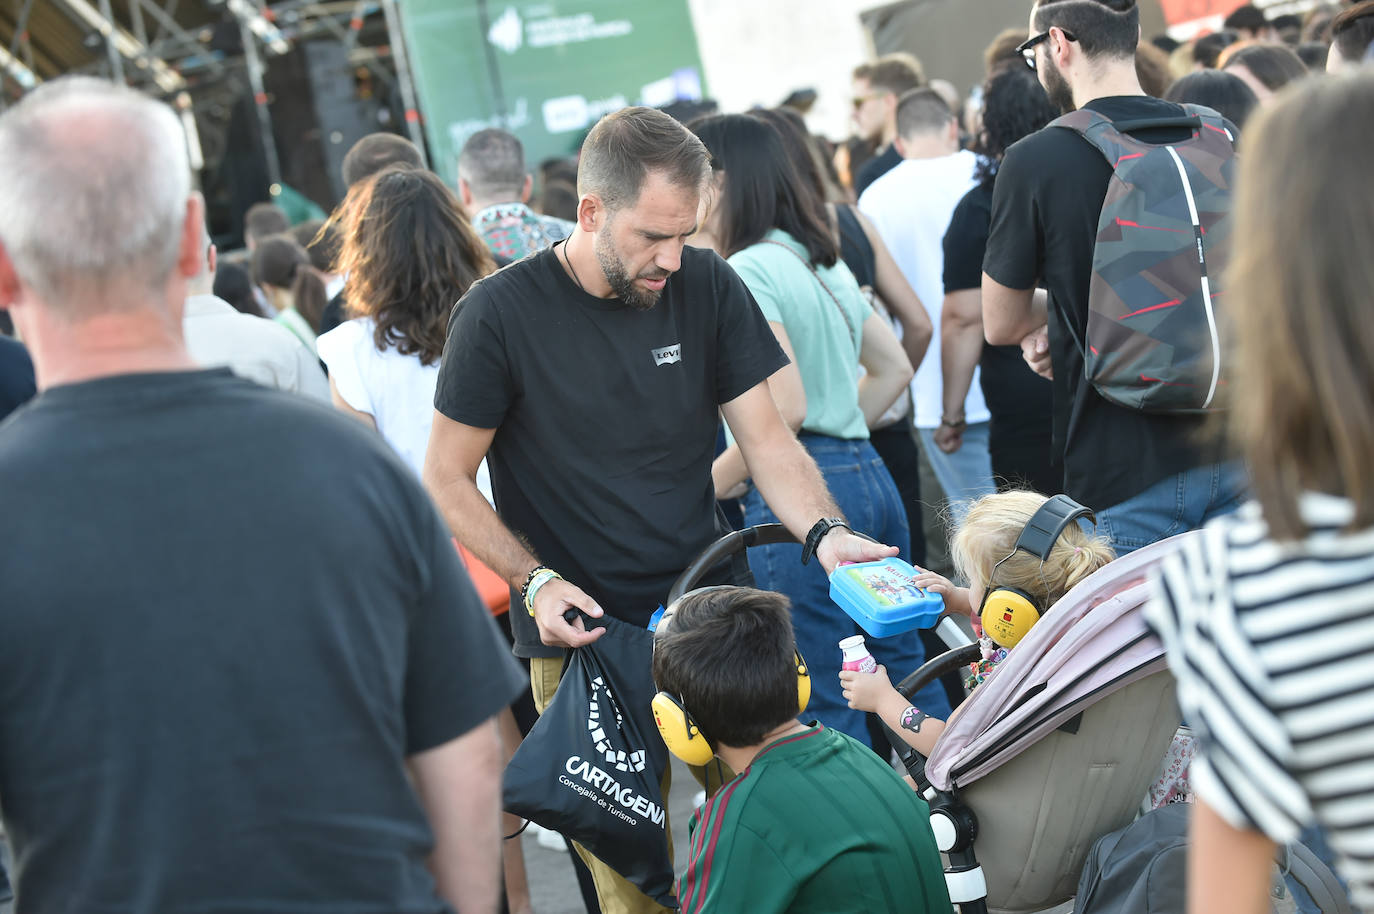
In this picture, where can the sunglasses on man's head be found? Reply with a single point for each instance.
(1027, 48)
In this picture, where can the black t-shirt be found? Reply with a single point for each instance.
(229, 615)
(1019, 400)
(606, 418)
(875, 168)
(1046, 205)
(16, 376)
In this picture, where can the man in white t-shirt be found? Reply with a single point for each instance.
(253, 348)
(911, 207)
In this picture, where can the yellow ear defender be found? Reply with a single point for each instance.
(684, 738)
(680, 732)
(1008, 612)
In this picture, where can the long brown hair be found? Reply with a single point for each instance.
(1300, 284)
(410, 254)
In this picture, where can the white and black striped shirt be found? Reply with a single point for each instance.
(1272, 645)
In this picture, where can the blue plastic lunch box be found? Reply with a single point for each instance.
(881, 597)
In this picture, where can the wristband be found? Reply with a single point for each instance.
(959, 424)
(538, 578)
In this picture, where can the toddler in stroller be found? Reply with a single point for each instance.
(1020, 552)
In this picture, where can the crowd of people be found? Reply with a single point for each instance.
(298, 538)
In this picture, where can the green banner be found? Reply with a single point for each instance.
(545, 71)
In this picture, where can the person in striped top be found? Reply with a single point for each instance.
(814, 821)
(1266, 616)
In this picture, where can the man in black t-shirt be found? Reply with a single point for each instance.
(591, 376)
(1147, 475)
(241, 665)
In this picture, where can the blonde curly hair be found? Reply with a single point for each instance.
(988, 534)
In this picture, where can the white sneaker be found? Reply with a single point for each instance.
(547, 838)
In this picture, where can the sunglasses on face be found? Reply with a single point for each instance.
(861, 100)
(1027, 48)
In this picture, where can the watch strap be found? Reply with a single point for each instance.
(817, 532)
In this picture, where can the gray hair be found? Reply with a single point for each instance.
(493, 164)
(95, 190)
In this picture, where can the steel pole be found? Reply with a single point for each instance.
(402, 61)
(254, 66)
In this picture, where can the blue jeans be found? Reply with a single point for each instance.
(966, 474)
(865, 492)
(1173, 505)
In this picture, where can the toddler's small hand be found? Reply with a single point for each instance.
(864, 690)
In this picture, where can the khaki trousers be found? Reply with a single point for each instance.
(613, 891)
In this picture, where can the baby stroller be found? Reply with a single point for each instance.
(1056, 749)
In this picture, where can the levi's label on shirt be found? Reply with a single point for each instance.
(668, 354)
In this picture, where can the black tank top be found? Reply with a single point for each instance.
(855, 250)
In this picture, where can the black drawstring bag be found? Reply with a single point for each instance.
(592, 765)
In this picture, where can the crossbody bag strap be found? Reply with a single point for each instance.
(853, 338)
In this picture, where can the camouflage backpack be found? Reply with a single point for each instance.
(1162, 244)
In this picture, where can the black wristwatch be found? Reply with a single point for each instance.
(818, 532)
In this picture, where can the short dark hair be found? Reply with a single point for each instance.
(1102, 28)
(921, 111)
(762, 189)
(625, 146)
(559, 200)
(279, 261)
(234, 285)
(1314, 54)
(895, 73)
(1207, 49)
(493, 164)
(263, 219)
(377, 151)
(1352, 32)
(729, 655)
(1274, 65)
(1225, 93)
(1249, 18)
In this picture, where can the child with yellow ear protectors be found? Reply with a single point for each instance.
(1020, 552)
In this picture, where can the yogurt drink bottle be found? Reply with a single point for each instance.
(856, 655)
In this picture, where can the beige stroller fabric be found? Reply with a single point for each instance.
(1059, 746)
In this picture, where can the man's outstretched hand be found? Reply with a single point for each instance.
(840, 545)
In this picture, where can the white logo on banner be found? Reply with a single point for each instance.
(507, 32)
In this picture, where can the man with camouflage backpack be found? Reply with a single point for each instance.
(1121, 211)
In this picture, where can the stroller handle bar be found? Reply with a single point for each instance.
(722, 549)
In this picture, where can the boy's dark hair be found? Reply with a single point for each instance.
(1248, 17)
(729, 655)
(624, 147)
(1352, 32)
(377, 151)
(263, 219)
(895, 73)
(1103, 28)
(922, 111)
(1274, 65)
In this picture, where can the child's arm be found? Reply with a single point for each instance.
(874, 693)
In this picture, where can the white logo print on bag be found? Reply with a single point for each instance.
(621, 760)
(668, 354)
